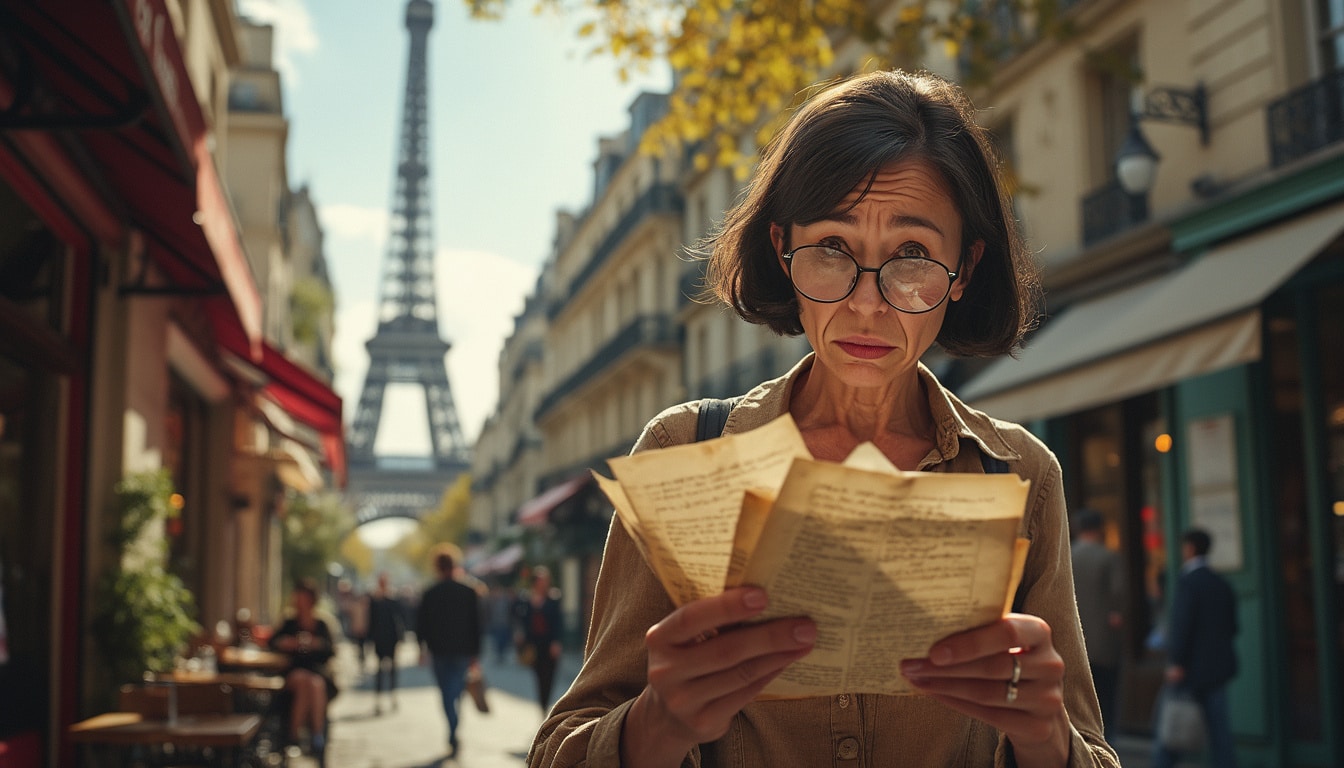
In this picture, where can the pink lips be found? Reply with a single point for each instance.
(864, 349)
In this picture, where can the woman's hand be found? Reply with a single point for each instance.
(704, 666)
(1008, 675)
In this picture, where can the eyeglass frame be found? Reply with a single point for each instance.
(787, 258)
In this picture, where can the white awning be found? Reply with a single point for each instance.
(1202, 318)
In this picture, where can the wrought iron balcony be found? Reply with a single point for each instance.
(1307, 119)
(691, 283)
(739, 377)
(660, 198)
(644, 331)
(1109, 210)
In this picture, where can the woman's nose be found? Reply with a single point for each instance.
(867, 293)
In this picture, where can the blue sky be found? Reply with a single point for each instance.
(516, 108)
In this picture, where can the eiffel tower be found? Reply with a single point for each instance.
(407, 348)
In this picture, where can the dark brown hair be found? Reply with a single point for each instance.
(842, 138)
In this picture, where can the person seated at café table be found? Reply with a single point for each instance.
(308, 641)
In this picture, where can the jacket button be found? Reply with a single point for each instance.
(847, 748)
(842, 700)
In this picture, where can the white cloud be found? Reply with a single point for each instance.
(294, 32)
(356, 222)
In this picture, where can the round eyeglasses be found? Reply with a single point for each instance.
(825, 274)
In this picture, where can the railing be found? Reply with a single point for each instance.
(1109, 210)
(1307, 119)
(691, 283)
(597, 461)
(740, 376)
(645, 330)
(660, 198)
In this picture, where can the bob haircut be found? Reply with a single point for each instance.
(842, 138)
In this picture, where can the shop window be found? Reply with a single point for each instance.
(1114, 465)
(27, 525)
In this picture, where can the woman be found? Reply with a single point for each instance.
(387, 628)
(308, 682)
(539, 615)
(876, 224)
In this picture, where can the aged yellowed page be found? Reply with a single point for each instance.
(886, 565)
(756, 505)
(685, 501)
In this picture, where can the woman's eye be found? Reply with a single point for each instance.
(912, 251)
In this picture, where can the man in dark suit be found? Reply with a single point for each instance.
(1200, 653)
(448, 625)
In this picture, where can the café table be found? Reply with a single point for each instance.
(234, 659)
(228, 733)
(243, 681)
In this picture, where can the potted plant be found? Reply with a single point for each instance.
(145, 614)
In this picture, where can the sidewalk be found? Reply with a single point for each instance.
(416, 734)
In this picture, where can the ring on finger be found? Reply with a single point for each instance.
(1017, 672)
(1011, 694)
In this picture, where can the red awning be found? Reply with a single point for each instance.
(538, 510)
(502, 561)
(301, 394)
(113, 72)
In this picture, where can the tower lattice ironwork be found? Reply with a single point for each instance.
(407, 347)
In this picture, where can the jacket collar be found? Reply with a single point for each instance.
(954, 420)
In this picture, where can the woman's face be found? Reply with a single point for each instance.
(907, 212)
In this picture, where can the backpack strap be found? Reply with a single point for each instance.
(713, 415)
(992, 465)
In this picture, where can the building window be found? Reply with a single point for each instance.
(1331, 34)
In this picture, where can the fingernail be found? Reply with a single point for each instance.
(805, 633)
(754, 598)
(913, 666)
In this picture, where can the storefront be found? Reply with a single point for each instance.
(1213, 396)
(130, 339)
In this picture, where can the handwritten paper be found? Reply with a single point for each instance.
(886, 562)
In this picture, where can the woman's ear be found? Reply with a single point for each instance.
(968, 265)
(777, 240)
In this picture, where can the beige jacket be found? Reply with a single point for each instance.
(851, 730)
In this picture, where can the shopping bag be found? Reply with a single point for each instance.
(476, 689)
(1180, 724)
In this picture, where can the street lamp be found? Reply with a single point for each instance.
(1136, 162)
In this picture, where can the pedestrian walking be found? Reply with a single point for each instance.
(541, 629)
(448, 625)
(1200, 653)
(1099, 581)
(387, 627)
(499, 619)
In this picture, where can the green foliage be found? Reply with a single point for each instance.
(139, 499)
(309, 303)
(314, 527)
(446, 523)
(740, 63)
(144, 615)
(145, 622)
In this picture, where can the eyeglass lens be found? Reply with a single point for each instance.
(910, 284)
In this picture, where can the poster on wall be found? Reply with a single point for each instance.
(1214, 502)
